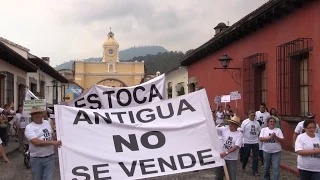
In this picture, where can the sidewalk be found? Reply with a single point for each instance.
(289, 162)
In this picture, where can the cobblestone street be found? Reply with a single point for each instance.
(17, 171)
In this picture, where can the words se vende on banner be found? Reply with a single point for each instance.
(103, 97)
(137, 142)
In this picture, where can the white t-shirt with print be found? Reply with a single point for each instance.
(262, 117)
(299, 128)
(272, 145)
(219, 118)
(239, 129)
(43, 132)
(308, 162)
(230, 139)
(22, 120)
(219, 136)
(251, 130)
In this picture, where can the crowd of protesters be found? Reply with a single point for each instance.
(38, 132)
(260, 136)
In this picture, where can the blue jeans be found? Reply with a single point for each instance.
(255, 153)
(309, 175)
(274, 160)
(42, 168)
(232, 170)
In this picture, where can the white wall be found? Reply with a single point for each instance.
(177, 76)
(17, 72)
(48, 86)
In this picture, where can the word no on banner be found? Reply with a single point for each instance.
(137, 142)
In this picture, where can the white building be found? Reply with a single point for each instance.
(176, 82)
(13, 74)
(23, 70)
(46, 83)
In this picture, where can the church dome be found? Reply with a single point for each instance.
(221, 26)
(110, 41)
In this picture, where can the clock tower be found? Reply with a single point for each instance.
(110, 71)
(111, 49)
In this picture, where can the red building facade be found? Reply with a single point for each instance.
(277, 48)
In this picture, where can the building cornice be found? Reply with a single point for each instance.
(14, 44)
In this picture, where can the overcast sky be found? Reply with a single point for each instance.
(76, 29)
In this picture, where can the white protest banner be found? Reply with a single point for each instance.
(138, 142)
(30, 95)
(225, 98)
(103, 97)
(235, 95)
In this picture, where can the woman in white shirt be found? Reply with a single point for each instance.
(307, 146)
(219, 115)
(231, 143)
(271, 137)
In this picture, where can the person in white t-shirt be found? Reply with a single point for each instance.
(3, 153)
(219, 115)
(39, 133)
(21, 123)
(299, 128)
(225, 124)
(261, 116)
(307, 146)
(231, 143)
(251, 129)
(9, 110)
(271, 137)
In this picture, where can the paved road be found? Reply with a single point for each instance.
(17, 171)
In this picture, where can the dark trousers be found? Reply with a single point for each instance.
(3, 136)
(261, 157)
(309, 175)
(255, 153)
(241, 154)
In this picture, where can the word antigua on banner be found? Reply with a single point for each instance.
(134, 96)
(82, 116)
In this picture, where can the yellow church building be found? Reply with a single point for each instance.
(110, 71)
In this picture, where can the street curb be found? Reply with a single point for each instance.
(290, 169)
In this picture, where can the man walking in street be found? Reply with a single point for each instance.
(39, 134)
(251, 129)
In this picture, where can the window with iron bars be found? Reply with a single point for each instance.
(293, 77)
(2, 88)
(254, 81)
(22, 93)
(9, 85)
